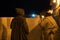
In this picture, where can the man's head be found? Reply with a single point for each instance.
(20, 11)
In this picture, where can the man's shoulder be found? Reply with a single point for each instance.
(20, 18)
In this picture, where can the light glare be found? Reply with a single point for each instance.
(54, 1)
(33, 15)
(50, 11)
(42, 16)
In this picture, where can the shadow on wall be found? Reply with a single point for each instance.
(34, 28)
(35, 34)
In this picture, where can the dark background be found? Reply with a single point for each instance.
(7, 7)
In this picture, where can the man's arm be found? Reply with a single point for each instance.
(13, 23)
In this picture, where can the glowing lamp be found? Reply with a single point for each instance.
(33, 15)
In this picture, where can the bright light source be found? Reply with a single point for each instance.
(33, 15)
(54, 1)
(43, 17)
(50, 11)
(58, 2)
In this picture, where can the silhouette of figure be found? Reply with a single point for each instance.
(19, 26)
(49, 26)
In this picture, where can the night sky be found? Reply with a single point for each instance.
(8, 6)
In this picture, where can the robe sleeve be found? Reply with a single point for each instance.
(25, 27)
(13, 23)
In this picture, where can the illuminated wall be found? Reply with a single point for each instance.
(6, 30)
(32, 22)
